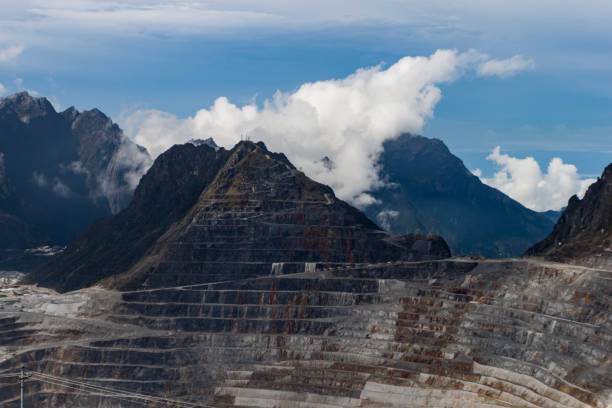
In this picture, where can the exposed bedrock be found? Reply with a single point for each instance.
(438, 333)
(203, 215)
(260, 215)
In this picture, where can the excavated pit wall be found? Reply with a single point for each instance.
(451, 333)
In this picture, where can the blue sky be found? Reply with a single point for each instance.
(179, 57)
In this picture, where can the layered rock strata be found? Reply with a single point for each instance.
(441, 333)
(264, 290)
(204, 215)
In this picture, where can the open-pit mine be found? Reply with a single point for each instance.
(268, 291)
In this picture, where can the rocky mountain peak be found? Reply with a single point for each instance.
(70, 114)
(26, 107)
(431, 190)
(60, 171)
(202, 215)
(584, 230)
(208, 141)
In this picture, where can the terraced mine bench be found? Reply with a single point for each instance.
(422, 334)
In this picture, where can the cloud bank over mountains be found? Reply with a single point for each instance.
(345, 119)
(524, 181)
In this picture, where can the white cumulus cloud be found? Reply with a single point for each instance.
(345, 119)
(524, 181)
(10, 52)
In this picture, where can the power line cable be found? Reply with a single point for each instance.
(116, 395)
(110, 391)
(78, 388)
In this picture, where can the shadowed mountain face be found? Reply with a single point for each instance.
(109, 246)
(584, 231)
(205, 215)
(431, 190)
(58, 171)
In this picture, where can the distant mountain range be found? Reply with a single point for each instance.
(553, 215)
(584, 232)
(59, 172)
(430, 190)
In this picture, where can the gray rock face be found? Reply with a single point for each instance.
(442, 333)
(259, 210)
(25, 107)
(238, 213)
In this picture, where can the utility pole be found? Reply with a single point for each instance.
(22, 377)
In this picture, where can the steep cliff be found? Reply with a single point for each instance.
(584, 230)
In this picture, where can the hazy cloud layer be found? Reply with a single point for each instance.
(118, 180)
(61, 189)
(163, 15)
(39, 179)
(11, 52)
(500, 27)
(345, 119)
(506, 67)
(57, 185)
(524, 180)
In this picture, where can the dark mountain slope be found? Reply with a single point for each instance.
(433, 192)
(584, 231)
(108, 159)
(243, 213)
(169, 189)
(59, 171)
